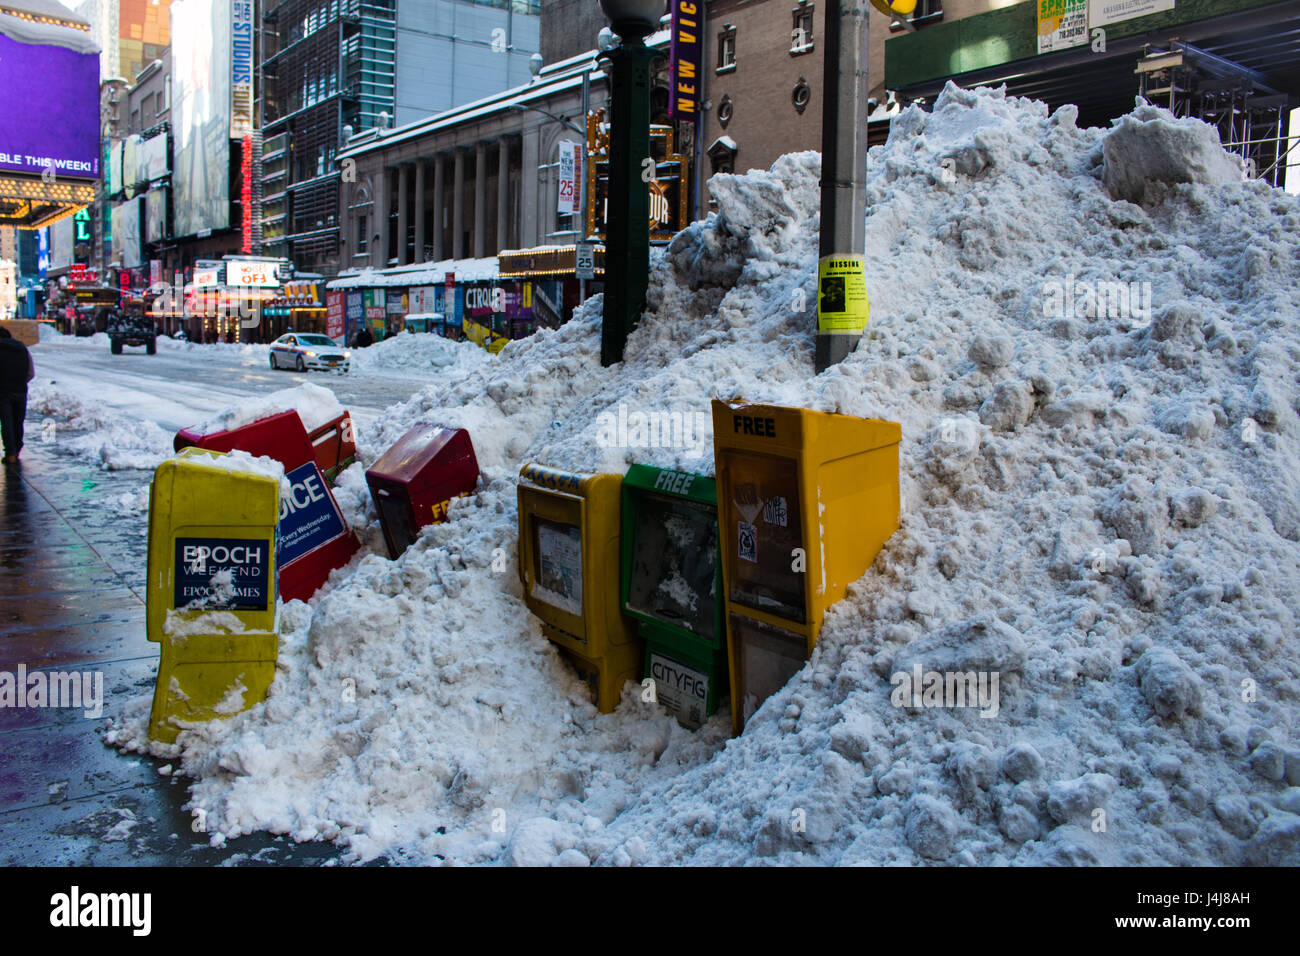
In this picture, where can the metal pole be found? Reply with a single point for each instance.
(582, 226)
(844, 157)
(627, 230)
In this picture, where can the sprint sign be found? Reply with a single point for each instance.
(309, 518)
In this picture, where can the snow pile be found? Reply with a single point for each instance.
(241, 462)
(98, 340)
(1149, 150)
(112, 441)
(248, 353)
(314, 404)
(440, 358)
(1101, 512)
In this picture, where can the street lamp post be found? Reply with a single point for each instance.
(842, 242)
(627, 222)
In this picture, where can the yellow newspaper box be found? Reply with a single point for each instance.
(569, 532)
(212, 586)
(805, 501)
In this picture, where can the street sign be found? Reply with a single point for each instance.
(585, 260)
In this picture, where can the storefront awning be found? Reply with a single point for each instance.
(30, 202)
(545, 262)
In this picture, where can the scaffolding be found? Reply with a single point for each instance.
(1251, 116)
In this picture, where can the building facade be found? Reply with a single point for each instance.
(763, 64)
(332, 69)
(131, 33)
(469, 182)
(569, 28)
(452, 52)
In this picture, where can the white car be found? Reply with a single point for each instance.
(304, 350)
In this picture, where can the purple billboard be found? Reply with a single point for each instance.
(58, 124)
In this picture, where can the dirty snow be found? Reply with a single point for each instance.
(84, 428)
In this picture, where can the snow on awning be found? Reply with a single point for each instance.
(428, 273)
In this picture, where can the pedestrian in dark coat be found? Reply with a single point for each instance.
(16, 370)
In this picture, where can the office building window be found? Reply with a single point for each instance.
(801, 35)
(726, 48)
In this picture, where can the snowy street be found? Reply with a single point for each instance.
(180, 385)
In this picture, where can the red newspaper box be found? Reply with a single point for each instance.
(314, 538)
(415, 480)
(335, 445)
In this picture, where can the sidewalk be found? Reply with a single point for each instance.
(72, 588)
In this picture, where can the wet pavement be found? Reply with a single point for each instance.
(72, 574)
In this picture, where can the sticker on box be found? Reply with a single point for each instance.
(774, 511)
(748, 542)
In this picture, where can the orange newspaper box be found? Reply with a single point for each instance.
(805, 502)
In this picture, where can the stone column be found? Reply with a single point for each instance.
(403, 211)
(379, 230)
(419, 211)
(503, 193)
(458, 207)
(480, 200)
(528, 178)
(438, 199)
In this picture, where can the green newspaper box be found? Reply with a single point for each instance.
(672, 587)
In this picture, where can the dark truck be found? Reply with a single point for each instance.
(131, 327)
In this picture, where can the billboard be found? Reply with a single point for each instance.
(1103, 12)
(1062, 24)
(252, 272)
(241, 69)
(114, 168)
(127, 251)
(155, 215)
(130, 162)
(152, 158)
(334, 324)
(354, 311)
(61, 243)
(200, 32)
(64, 84)
(570, 191)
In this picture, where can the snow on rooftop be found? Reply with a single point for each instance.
(1101, 508)
(427, 273)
